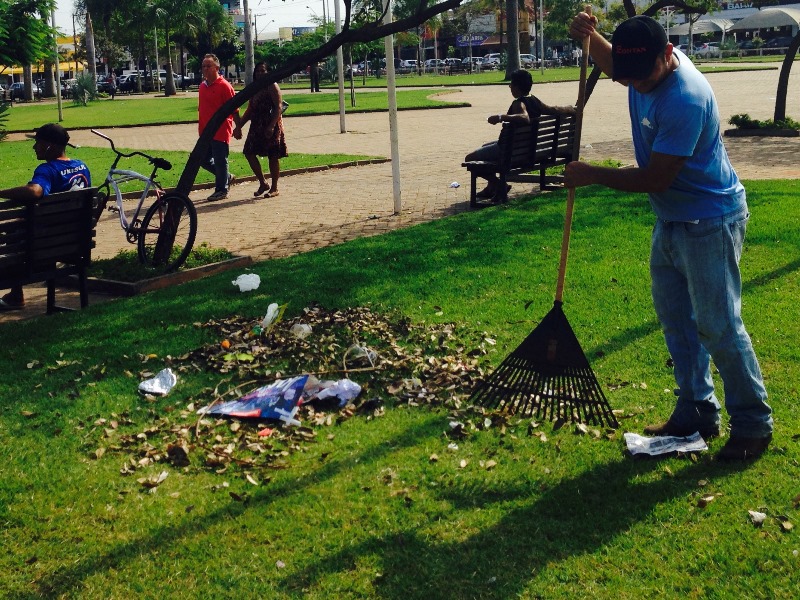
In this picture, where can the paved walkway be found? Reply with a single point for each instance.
(332, 206)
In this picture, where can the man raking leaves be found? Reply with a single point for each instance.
(697, 240)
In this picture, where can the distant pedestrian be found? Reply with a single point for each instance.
(112, 85)
(265, 137)
(214, 92)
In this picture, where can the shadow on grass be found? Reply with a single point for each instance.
(576, 517)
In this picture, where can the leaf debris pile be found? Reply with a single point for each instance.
(393, 359)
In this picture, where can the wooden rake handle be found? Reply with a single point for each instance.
(576, 151)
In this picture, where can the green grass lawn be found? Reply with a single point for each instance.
(19, 162)
(394, 503)
(135, 110)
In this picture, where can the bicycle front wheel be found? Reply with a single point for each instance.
(167, 233)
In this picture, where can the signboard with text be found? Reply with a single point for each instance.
(476, 39)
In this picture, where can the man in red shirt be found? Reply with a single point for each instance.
(214, 92)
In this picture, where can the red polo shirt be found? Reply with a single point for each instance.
(212, 96)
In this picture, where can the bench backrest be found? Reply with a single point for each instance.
(548, 139)
(36, 235)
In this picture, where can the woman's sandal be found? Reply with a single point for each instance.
(272, 194)
(261, 189)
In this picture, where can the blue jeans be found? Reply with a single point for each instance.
(697, 293)
(216, 162)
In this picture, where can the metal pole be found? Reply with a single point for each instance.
(249, 60)
(541, 36)
(57, 65)
(388, 44)
(340, 67)
(158, 69)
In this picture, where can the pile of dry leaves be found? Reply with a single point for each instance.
(393, 360)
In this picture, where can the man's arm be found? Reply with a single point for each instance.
(656, 177)
(517, 114)
(599, 47)
(32, 191)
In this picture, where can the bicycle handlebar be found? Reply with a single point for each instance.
(159, 163)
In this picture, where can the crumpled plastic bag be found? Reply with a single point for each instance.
(455, 184)
(344, 389)
(247, 282)
(300, 330)
(161, 384)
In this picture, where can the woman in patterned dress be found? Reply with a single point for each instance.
(265, 137)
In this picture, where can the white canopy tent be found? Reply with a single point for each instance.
(769, 17)
(703, 26)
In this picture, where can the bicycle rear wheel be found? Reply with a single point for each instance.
(174, 217)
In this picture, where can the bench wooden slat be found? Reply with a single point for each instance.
(47, 239)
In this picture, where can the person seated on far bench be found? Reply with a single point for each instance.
(522, 110)
(57, 174)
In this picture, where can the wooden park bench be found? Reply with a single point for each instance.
(47, 239)
(526, 149)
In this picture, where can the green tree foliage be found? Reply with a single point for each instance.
(25, 36)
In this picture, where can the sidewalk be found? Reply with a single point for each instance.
(329, 207)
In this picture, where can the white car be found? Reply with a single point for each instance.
(433, 63)
(709, 50)
(491, 59)
(527, 61)
(408, 64)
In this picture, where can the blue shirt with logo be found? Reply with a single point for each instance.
(681, 118)
(62, 176)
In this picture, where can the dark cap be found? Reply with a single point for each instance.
(52, 133)
(635, 46)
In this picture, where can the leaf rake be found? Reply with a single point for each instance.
(548, 376)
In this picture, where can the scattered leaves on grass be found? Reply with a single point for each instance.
(706, 500)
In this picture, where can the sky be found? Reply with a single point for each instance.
(288, 13)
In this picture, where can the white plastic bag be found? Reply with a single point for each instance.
(247, 282)
(161, 384)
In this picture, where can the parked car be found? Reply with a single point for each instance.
(527, 61)
(408, 64)
(476, 60)
(746, 45)
(491, 59)
(777, 45)
(18, 90)
(433, 63)
(452, 61)
(707, 50)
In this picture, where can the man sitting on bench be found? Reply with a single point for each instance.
(58, 174)
(524, 108)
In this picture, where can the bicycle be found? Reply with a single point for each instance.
(179, 230)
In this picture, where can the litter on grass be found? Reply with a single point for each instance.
(655, 446)
(247, 282)
(161, 384)
(279, 400)
(345, 390)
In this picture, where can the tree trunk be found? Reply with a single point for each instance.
(783, 80)
(512, 55)
(90, 53)
(169, 87)
(27, 79)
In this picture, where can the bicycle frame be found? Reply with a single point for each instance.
(117, 176)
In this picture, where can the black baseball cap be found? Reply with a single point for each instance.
(53, 133)
(635, 45)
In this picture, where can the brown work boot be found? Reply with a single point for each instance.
(744, 448)
(670, 428)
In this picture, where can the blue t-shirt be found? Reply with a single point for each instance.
(681, 118)
(62, 176)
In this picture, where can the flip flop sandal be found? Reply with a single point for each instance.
(271, 194)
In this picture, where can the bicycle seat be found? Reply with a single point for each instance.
(162, 164)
